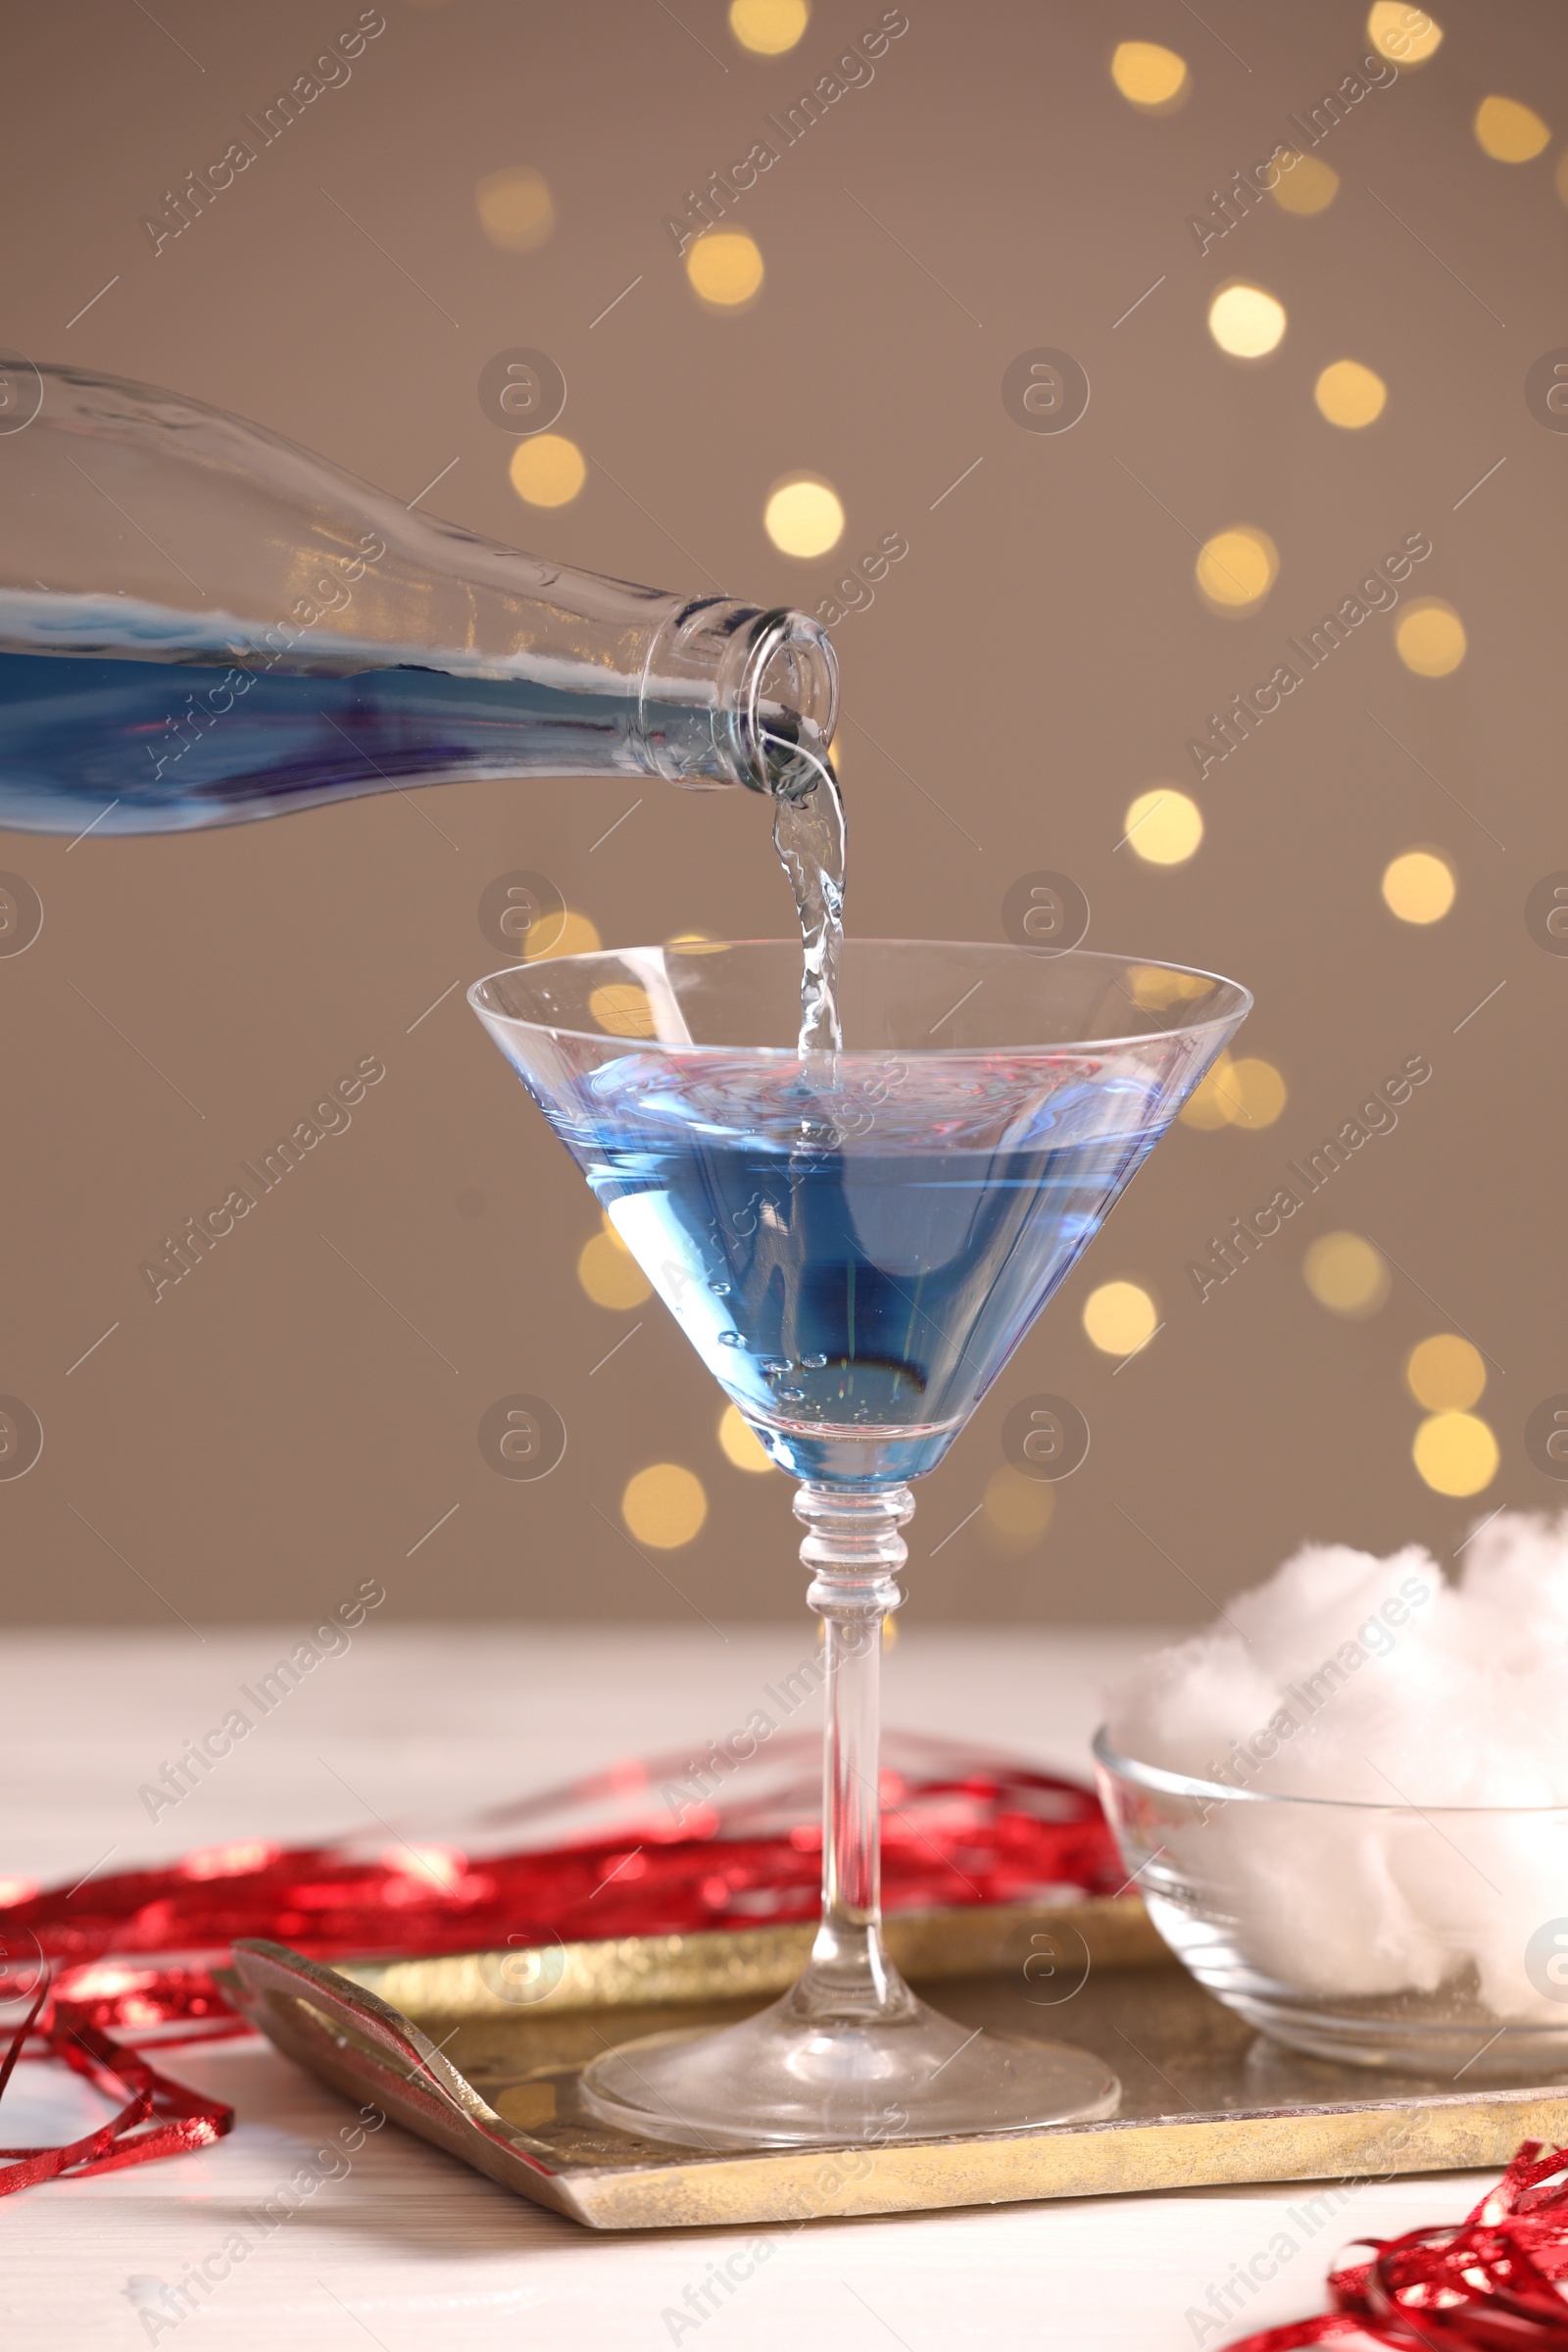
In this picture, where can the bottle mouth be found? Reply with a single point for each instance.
(788, 703)
(733, 694)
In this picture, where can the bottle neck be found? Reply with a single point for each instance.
(732, 694)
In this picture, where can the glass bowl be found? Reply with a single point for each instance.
(1431, 1939)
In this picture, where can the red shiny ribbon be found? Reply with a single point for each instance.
(138, 1950)
(141, 1951)
(1488, 2285)
(159, 2118)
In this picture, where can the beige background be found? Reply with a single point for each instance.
(274, 1431)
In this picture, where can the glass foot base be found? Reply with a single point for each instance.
(785, 2079)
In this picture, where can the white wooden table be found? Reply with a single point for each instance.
(410, 2248)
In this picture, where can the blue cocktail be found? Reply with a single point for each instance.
(855, 1262)
(854, 1243)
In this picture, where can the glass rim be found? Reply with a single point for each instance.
(1167, 1782)
(1231, 1018)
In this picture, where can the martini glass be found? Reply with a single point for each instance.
(854, 1244)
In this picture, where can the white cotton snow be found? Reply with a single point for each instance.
(1386, 1682)
(1350, 1677)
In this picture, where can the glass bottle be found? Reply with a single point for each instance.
(201, 623)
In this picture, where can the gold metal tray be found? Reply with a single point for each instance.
(479, 2053)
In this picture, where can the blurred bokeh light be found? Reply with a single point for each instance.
(1248, 1093)
(1247, 322)
(1237, 567)
(1420, 886)
(1351, 395)
(1119, 1317)
(664, 1506)
(1156, 987)
(1346, 1274)
(1430, 638)
(725, 269)
(1406, 34)
(548, 470)
(1214, 1099)
(1163, 827)
(609, 1274)
(622, 1010)
(1255, 1091)
(565, 934)
(1017, 1510)
(767, 28)
(1152, 78)
(803, 517)
(1509, 131)
(516, 211)
(1445, 1373)
(740, 1442)
(1455, 1453)
(1305, 184)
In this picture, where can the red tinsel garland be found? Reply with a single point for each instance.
(139, 1949)
(1486, 2284)
(175, 2120)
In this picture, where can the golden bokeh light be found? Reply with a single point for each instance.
(1017, 1509)
(1250, 1093)
(1509, 131)
(1419, 887)
(1351, 395)
(516, 211)
(564, 934)
(1153, 80)
(1163, 827)
(1214, 1101)
(767, 28)
(1430, 638)
(548, 470)
(1406, 34)
(740, 1442)
(1156, 988)
(609, 1274)
(1346, 1274)
(804, 517)
(622, 1010)
(1445, 1373)
(1256, 1092)
(664, 1506)
(1247, 322)
(1120, 1317)
(725, 269)
(1455, 1453)
(1305, 184)
(1237, 568)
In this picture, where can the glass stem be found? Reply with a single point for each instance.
(854, 1548)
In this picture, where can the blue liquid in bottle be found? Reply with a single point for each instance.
(201, 623)
(231, 730)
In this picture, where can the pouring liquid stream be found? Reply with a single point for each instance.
(809, 834)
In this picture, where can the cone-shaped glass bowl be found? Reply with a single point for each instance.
(854, 1246)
